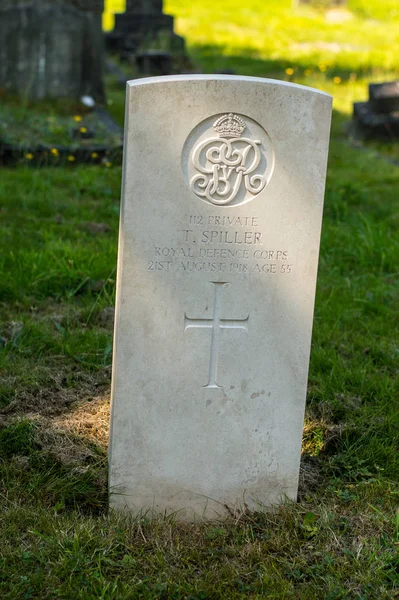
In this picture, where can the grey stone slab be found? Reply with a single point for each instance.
(223, 185)
(50, 50)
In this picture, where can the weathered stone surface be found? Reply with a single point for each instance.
(222, 202)
(50, 50)
(41, 48)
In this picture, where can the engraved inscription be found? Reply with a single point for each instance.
(231, 167)
(216, 324)
(222, 244)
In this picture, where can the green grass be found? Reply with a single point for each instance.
(58, 236)
(54, 125)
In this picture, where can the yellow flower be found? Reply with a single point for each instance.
(83, 129)
(307, 72)
(29, 156)
(322, 67)
(337, 80)
(108, 164)
(94, 155)
(71, 158)
(77, 118)
(54, 152)
(289, 71)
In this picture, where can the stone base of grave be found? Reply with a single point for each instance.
(193, 506)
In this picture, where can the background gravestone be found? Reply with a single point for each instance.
(142, 26)
(93, 48)
(384, 97)
(378, 118)
(51, 49)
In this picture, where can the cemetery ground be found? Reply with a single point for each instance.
(55, 132)
(57, 259)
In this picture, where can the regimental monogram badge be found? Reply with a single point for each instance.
(228, 160)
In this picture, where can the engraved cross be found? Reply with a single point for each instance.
(216, 324)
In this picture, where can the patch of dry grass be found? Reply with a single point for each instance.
(87, 420)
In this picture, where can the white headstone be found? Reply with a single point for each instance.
(223, 185)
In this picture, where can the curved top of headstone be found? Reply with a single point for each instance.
(237, 78)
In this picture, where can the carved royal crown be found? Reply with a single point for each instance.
(229, 126)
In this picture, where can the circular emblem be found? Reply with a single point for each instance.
(227, 159)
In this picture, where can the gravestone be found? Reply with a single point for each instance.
(51, 49)
(154, 62)
(384, 97)
(144, 26)
(223, 186)
(378, 118)
(93, 47)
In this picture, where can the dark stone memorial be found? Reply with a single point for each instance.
(154, 62)
(93, 47)
(379, 117)
(51, 49)
(384, 97)
(142, 27)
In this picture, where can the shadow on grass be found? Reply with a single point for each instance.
(54, 462)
